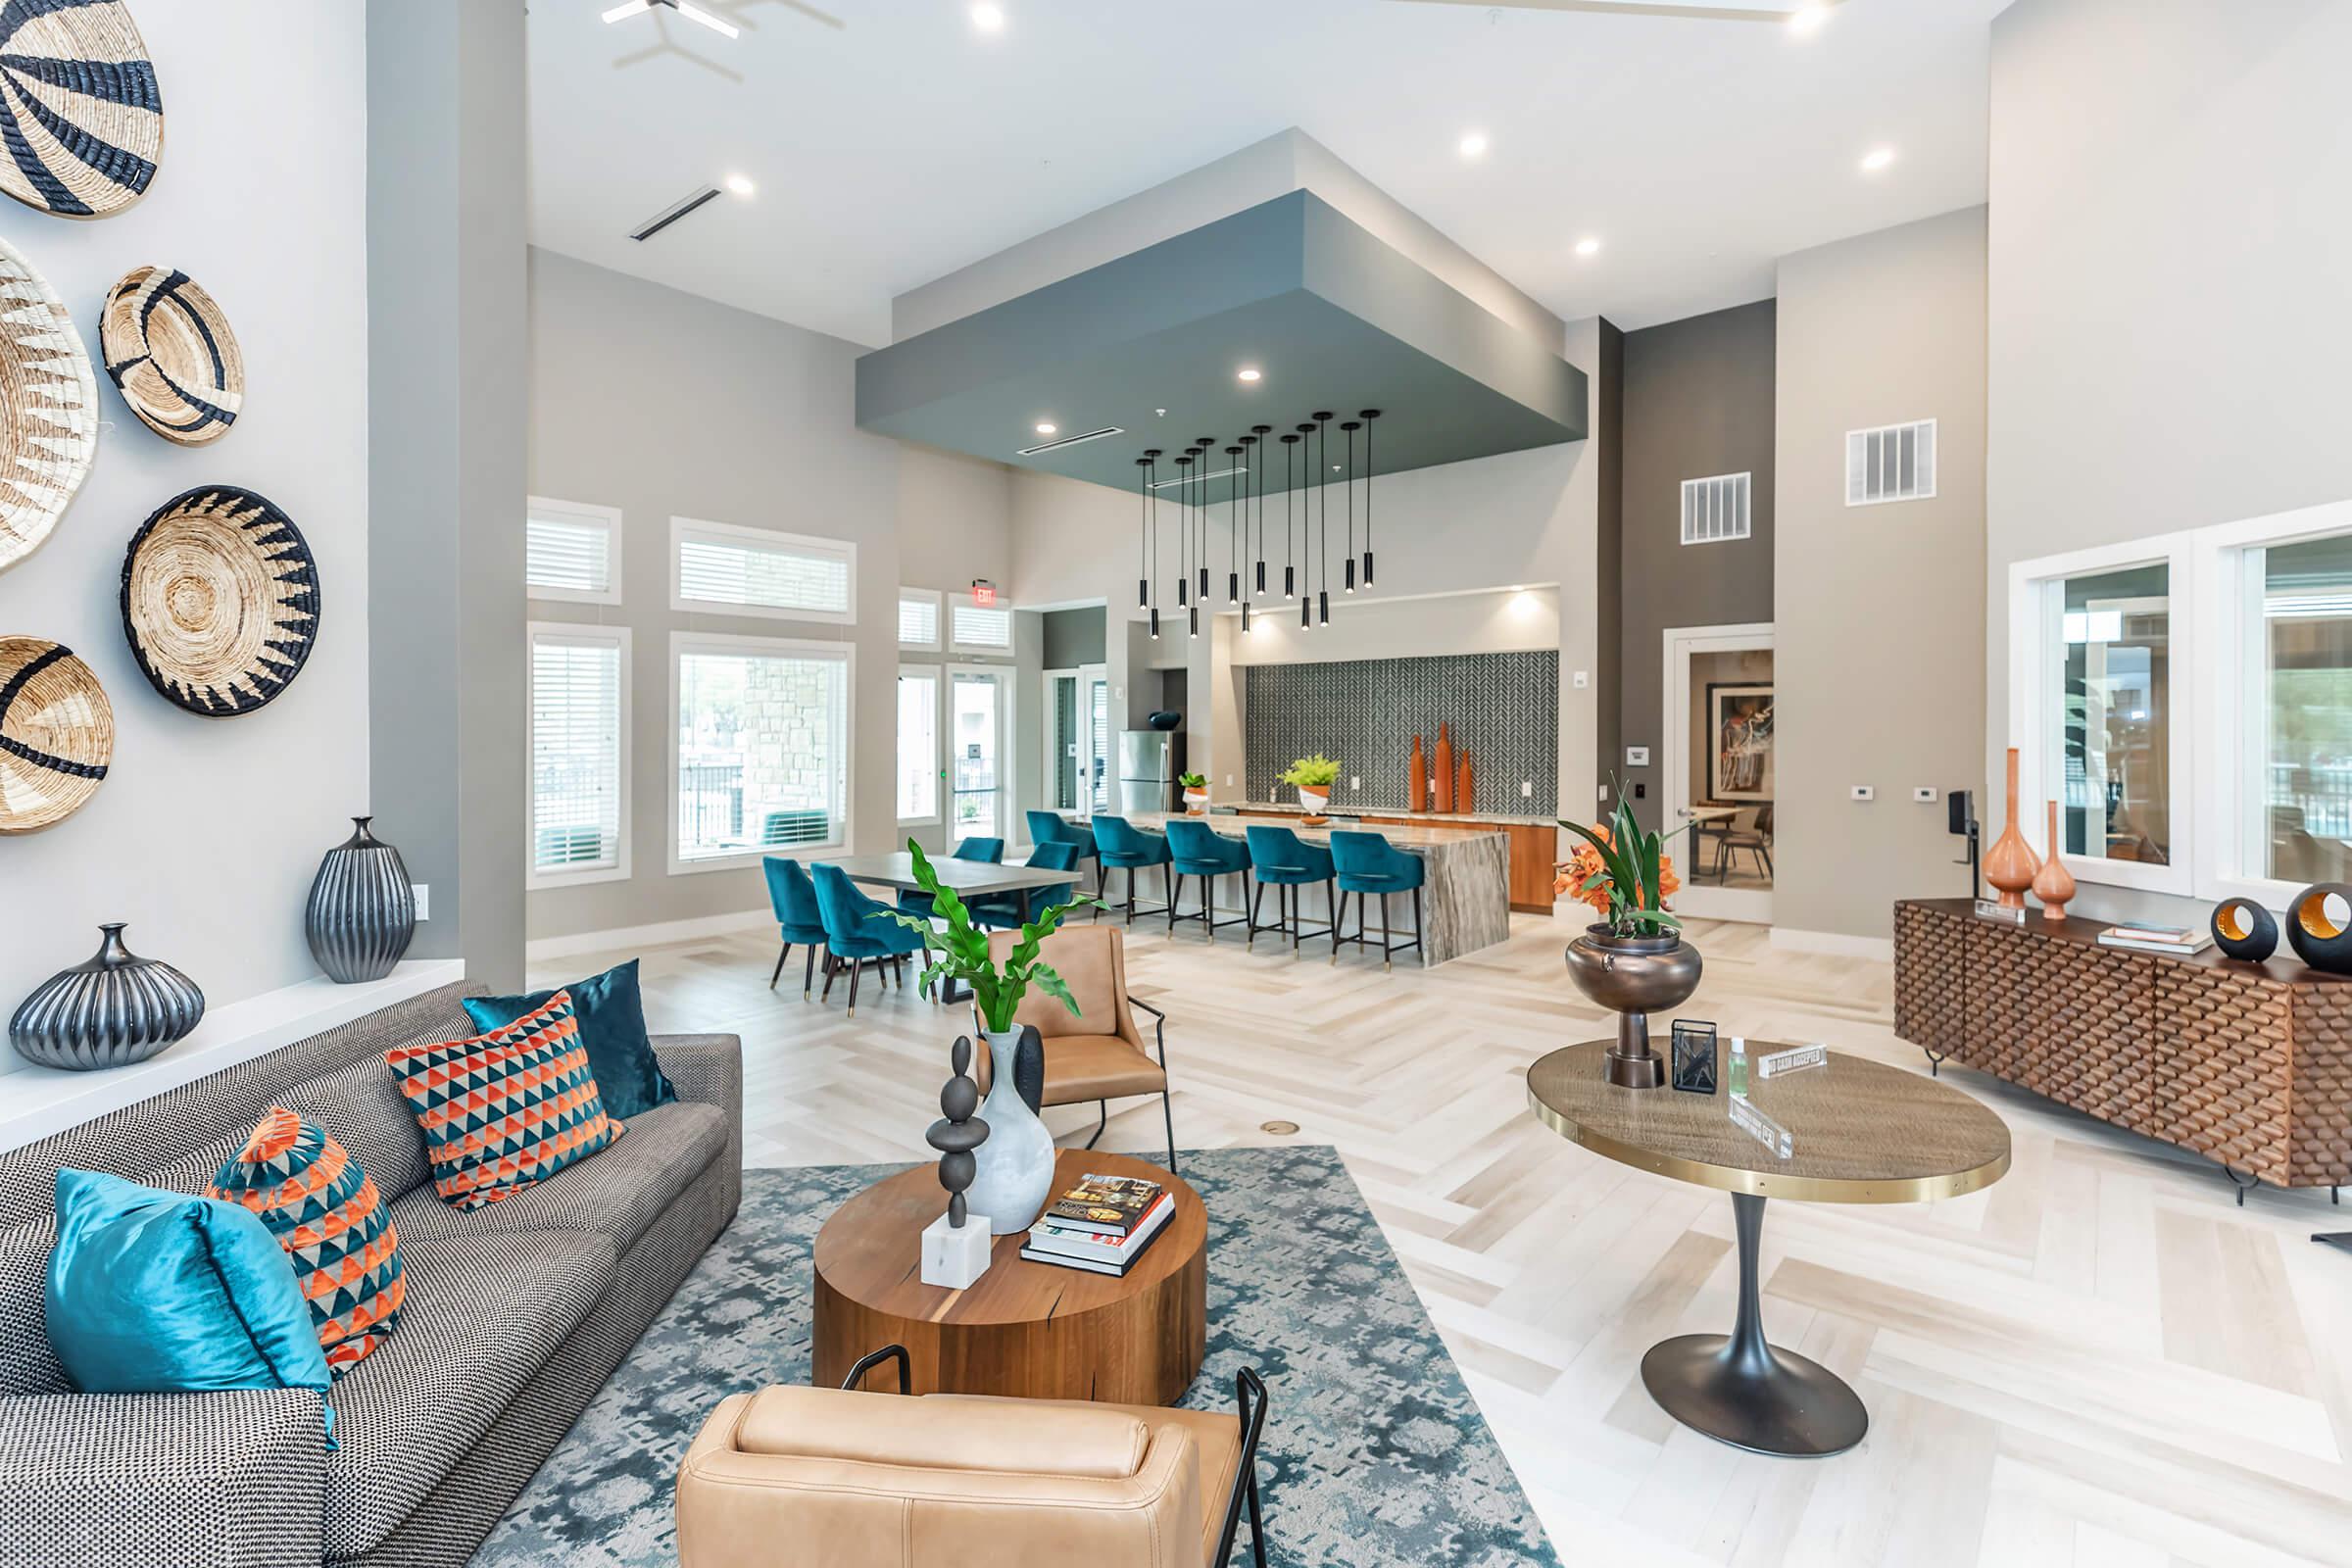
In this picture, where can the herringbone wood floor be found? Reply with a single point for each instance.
(2099, 1361)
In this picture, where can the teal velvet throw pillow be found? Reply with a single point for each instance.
(612, 1019)
(152, 1292)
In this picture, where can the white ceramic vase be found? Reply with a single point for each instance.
(1015, 1165)
(1314, 800)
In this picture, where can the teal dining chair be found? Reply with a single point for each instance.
(1280, 860)
(858, 932)
(1052, 827)
(1123, 847)
(1194, 849)
(1368, 865)
(1004, 911)
(989, 851)
(793, 897)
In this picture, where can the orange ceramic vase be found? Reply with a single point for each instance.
(2053, 884)
(1416, 782)
(2010, 864)
(1462, 798)
(1445, 780)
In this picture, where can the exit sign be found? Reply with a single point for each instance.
(984, 594)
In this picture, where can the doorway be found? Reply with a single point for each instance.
(979, 721)
(1718, 769)
(1078, 739)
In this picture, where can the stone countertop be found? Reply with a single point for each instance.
(1434, 835)
(1433, 818)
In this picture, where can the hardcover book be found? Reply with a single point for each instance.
(1107, 1206)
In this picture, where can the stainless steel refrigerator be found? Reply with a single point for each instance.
(1150, 760)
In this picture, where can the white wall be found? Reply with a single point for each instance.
(2168, 325)
(206, 832)
(1486, 622)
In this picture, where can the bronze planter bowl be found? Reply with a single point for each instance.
(1634, 977)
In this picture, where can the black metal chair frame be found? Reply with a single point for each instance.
(1167, 1113)
(1287, 918)
(1167, 885)
(1389, 947)
(1250, 1405)
(1206, 914)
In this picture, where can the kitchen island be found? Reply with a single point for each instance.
(1533, 840)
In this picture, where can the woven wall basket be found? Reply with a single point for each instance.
(48, 408)
(57, 734)
(170, 352)
(79, 107)
(220, 601)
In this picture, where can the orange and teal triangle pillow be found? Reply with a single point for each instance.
(328, 1215)
(506, 1109)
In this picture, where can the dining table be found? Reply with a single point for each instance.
(967, 879)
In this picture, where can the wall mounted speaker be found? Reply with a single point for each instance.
(1960, 811)
(2244, 929)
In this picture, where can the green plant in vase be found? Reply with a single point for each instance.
(1196, 791)
(1634, 961)
(1312, 777)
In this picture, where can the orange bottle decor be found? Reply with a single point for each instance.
(2053, 884)
(1463, 800)
(1444, 779)
(2010, 864)
(1416, 782)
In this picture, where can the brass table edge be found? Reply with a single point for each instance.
(1764, 1184)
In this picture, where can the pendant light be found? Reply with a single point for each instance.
(1349, 574)
(1233, 525)
(1208, 449)
(1290, 543)
(1241, 524)
(1150, 463)
(1323, 508)
(1368, 415)
(1184, 535)
(1257, 471)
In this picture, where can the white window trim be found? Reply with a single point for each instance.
(947, 627)
(939, 619)
(936, 674)
(535, 880)
(767, 539)
(682, 642)
(1013, 830)
(588, 512)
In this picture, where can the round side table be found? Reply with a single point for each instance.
(1862, 1133)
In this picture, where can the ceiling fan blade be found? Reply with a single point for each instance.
(629, 9)
(724, 28)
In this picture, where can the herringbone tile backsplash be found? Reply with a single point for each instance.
(1504, 708)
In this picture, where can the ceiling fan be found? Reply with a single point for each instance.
(685, 8)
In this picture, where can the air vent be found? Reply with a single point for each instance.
(1072, 440)
(1715, 509)
(673, 211)
(1892, 463)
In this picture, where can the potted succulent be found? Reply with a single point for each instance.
(1195, 793)
(1015, 1173)
(1634, 960)
(1312, 777)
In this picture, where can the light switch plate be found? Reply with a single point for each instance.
(1925, 794)
(1527, 788)
(1861, 791)
(425, 900)
(1637, 756)
(1356, 783)
(1229, 781)
(1582, 680)
(1604, 793)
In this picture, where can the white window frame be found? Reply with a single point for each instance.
(845, 550)
(1013, 826)
(936, 674)
(607, 517)
(947, 627)
(939, 619)
(2037, 631)
(575, 632)
(682, 642)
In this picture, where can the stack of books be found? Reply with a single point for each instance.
(1103, 1225)
(2179, 941)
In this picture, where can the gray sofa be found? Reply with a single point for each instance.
(516, 1315)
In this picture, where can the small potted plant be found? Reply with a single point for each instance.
(1015, 1173)
(1312, 777)
(1196, 794)
(1634, 960)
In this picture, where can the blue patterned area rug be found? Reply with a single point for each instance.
(1374, 1452)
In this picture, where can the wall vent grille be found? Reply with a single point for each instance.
(1892, 463)
(1715, 509)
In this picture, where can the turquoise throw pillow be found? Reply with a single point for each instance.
(611, 1018)
(161, 1292)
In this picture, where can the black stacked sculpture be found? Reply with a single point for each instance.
(958, 1132)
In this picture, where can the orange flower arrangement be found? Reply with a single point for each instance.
(1585, 875)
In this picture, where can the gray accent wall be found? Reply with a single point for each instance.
(1072, 637)
(1697, 402)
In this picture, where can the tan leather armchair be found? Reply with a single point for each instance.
(1098, 1055)
(950, 1480)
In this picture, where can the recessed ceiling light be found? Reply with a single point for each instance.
(1875, 159)
(1249, 373)
(987, 17)
(1474, 144)
(1588, 246)
(1809, 20)
(1046, 430)
(741, 186)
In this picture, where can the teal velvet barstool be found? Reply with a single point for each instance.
(793, 897)
(1004, 911)
(1280, 860)
(990, 852)
(1367, 863)
(1123, 847)
(1195, 849)
(1050, 827)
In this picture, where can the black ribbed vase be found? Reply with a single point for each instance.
(116, 1010)
(362, 912)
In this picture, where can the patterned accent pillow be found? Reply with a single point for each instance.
(505, 1109)
(326, 1213)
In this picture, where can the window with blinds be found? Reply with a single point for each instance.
(919, 619)
(755, 571)
(972, 629)
(572, 551)
(762, 761)
(579, 753)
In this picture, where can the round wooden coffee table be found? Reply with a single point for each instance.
(1862, 1133)
(1032, 1330)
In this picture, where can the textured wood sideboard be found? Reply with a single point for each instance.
(2246, 1063)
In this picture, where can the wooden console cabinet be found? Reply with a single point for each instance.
(2249, 1065)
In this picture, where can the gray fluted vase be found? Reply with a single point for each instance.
(116, 1010)
(363, 911)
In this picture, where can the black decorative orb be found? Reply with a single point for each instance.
(2244, 929)
(1163, 718)
(2317, 935)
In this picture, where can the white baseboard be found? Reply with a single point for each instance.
(646, 936)
(1836, 944)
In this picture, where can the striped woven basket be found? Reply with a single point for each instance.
(219, 600)
(79, 111)
(48, 408)
(57, 730)
(168, 349)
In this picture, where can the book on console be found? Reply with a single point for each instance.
(1117, 1268)
(1046, 1237)
(1106, 1205)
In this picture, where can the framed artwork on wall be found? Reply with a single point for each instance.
(1739, 746)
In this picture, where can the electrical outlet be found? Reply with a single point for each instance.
(425, 900)
(1354, 783)
(1527, 788)
(1229, 781)
(1637, 756)
(1861, 791)
(1604, 793)
(1582, 680)
(1925, 794)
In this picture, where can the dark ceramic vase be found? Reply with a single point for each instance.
(1634, 977)
(362, 910)
(2316, 938)
(116, 1010)
(2244, 929)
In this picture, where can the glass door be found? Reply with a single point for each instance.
(1717, 771)
(978, 723)
(1077, 740)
